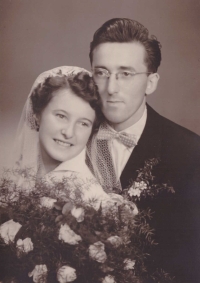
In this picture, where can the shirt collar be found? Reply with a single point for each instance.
(76, 164)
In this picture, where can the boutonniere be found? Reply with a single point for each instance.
(146, 184)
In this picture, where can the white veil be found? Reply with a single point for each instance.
(26, 155)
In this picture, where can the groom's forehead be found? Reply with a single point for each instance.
(122, 55)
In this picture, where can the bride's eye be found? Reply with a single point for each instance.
(84, 124)
(61, 116)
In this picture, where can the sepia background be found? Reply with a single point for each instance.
(37, 35)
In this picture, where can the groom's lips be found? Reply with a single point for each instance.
(114, 102)
(63, 143)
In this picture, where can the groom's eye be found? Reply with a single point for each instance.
(100, 73)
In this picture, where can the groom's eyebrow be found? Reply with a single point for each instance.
(100, 67)
(127, 68)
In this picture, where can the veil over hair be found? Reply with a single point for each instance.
(26, 154)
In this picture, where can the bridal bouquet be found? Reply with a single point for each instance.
(46, 235)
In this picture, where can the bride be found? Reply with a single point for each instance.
(60, 114)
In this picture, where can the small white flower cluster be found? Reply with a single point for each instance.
(137, 189)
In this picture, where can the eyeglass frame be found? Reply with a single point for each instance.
(108, 74)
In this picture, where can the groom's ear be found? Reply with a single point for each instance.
(152, 83)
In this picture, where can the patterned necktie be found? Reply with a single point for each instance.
(105, 133)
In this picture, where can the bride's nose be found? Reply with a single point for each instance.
(68, 131)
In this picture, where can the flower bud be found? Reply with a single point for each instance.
(129, 264)
(78, 213)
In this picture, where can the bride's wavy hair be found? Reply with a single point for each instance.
(81, 84)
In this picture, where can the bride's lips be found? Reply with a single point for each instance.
(63, 143)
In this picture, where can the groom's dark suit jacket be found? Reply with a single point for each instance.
(177, 216)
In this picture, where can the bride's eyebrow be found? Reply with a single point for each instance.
(60, 110)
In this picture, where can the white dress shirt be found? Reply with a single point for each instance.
(119, 152)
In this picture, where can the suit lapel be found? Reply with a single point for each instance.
(148, 147)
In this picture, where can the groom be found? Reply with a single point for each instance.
(124, 61)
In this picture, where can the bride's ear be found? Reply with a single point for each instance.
(152, 83)
(37, 122)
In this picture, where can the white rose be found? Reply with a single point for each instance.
(118, 199)
(129, 264)
(78, 213)
(47, 202)
(39, 273)
(66, 274)
(115, 241)
(68, 235)
(25, 245)
(110, 205)
(96, 252)
(109, 279)
(8, 230)
(131, 208)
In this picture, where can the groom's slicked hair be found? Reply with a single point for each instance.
(127, 30)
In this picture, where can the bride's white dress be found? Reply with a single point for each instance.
(77, 175)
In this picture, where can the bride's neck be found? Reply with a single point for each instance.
(46, 165)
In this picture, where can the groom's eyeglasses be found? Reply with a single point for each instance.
(101, 75)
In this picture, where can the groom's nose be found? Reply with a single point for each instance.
(112, 85)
